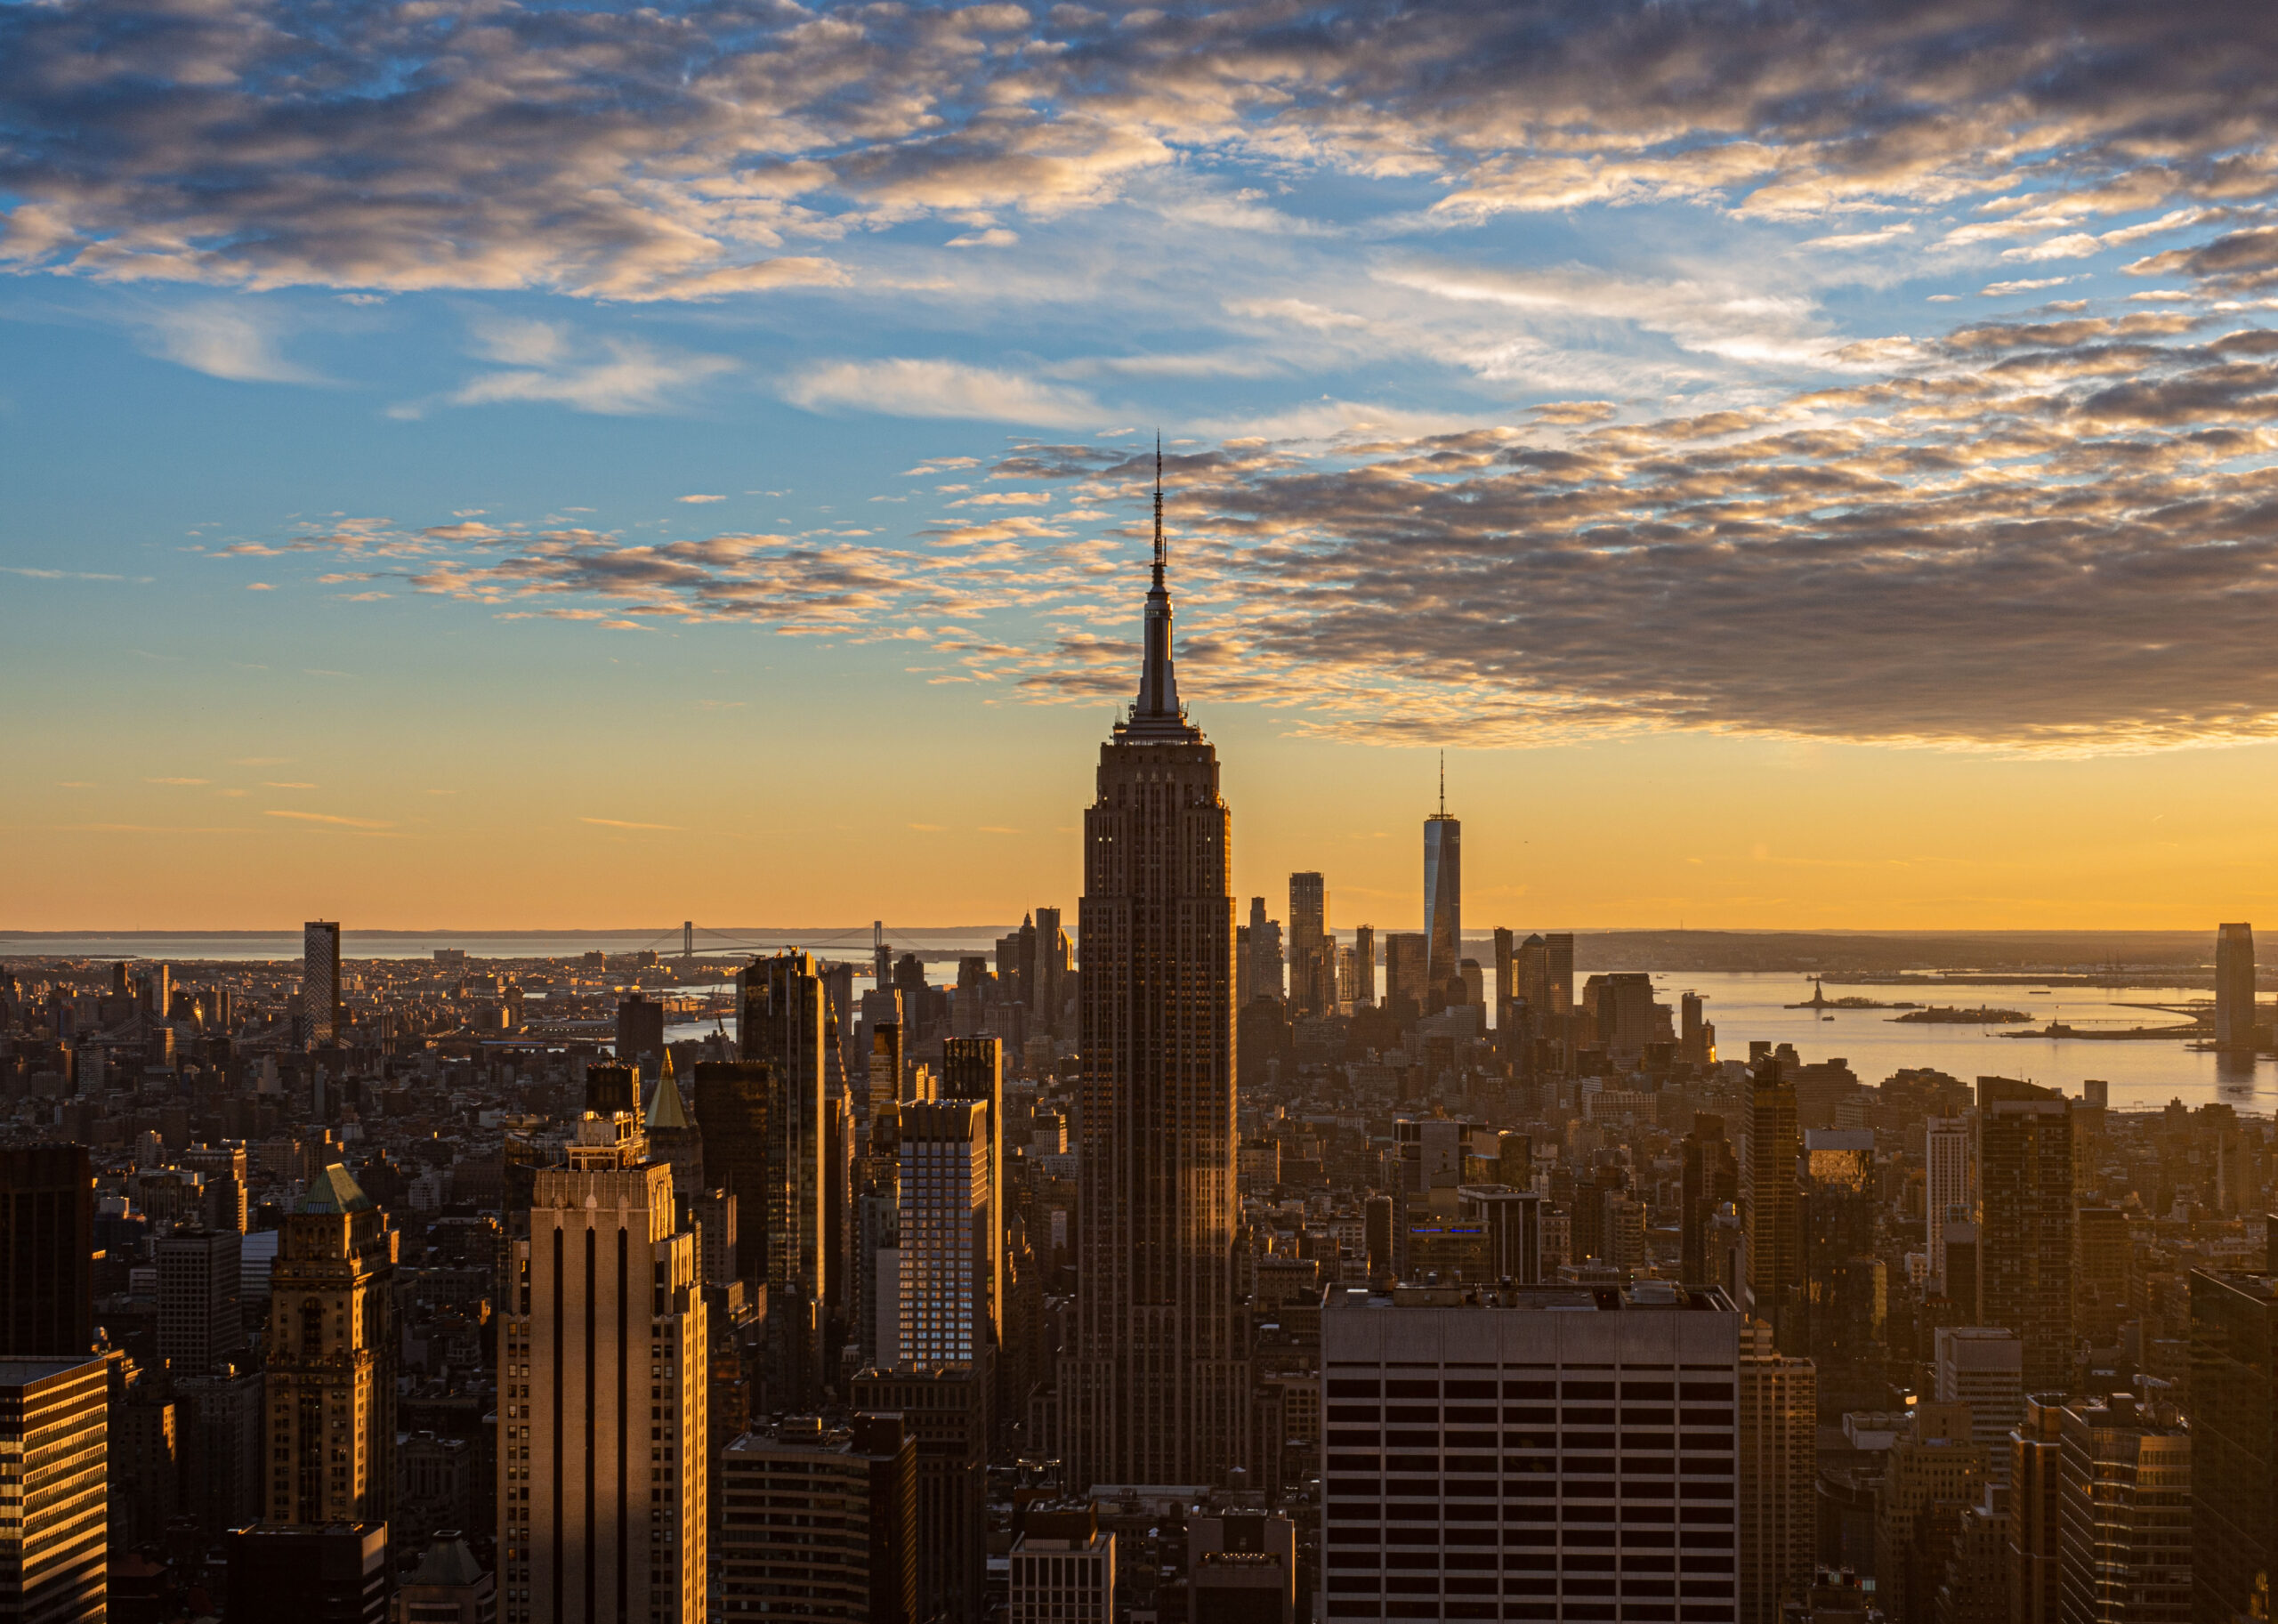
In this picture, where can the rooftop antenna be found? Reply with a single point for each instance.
(1159, 510)
(1443, 783)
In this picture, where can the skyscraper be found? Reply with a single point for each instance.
(782, 1019)
(1407, 969)
(946, 1219)
(1768, 1205)
(2024, 1273)
(1779, 1475)
(1312, 989)
(1558, 954)
(822, 1526)
(47, 1245)
(2234, 1442)
(54, 1489)
(731, 1097)
(331, 1359)
(1156, 1390)
(602, 1351)
(972, 1068)
(2235, 988)
(1365, 966)
(1443, 899)
(320, 980)
(2124, 1551)
(1949, 1187)
(640, 1032)
(200, 1316)
(1711, 1180)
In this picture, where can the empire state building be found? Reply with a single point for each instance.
(1156, 1390)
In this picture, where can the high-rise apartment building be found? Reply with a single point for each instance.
(946, 1219)
(602, 1395)
(332, 1356)
(972, 1068)
(1531, 979)
(1442, 901)
(1313, 955)
(1408, 968)
(1769, 1219)
(1709, 1178)
(1157, 1389)
(640, 1032)
(2036, 1455)
(1779, 1476)
(1983, 1366)
(2104, 1259)
(320, 980)
(2234, 1442)
(2235, 988)
(2024, 1269)
(47, 1247)
(1551, 1453)
(821, 1523)
(54, 1489)
(1949, 1186)
(2124, 1526)
(1558, 950)
(782, 1019)
(1365, 966)
(200, 1312)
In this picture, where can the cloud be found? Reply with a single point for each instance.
(330, 818)
(619, 823)
(995, 237)
(611, 376)
(939, 389)
(270, 784)
(699, 499)
(177, 780)
(236, 341)
(645, 153)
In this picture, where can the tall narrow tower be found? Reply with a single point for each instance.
(1442, 897)
(1154, 1391)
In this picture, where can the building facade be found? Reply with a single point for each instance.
(54, 1489)
(1779, 1476)
(320, 980)
(1533, 1452)
(333, 1352)
(1157, 1388)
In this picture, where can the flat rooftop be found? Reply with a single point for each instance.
(1666, 1295)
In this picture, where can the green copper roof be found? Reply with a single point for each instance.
(333, 1190)
(666, 1107)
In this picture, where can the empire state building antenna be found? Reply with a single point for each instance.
(1159, 510)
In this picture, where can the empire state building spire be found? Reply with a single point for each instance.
(1157, 713)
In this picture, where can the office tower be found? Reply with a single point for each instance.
(945, 1409)
(1156, 1392)
(1949, 1187)
(200, 1320)
(946, 1219)
(1779, 1476)
(1310, 993)
(1565, 1522)
(640, 1032)
(1558, 950)
(1264, 952)
(713, 1213)
(1377, 1232)
(603, 1414)
(1621, 1008)
(448, 1587)
(972, 1069)
(782, 1020)
(1443, 899)
(1530, 977)
(611, 1089)
(1364, 966)
(732, 1100)
(1506, 977)
(2235, 1440)
(1934, 1469)
(1845, 1298)
(1710, 1179)
(1696, 1044)
(2124, 1524)
(884, 1081)
(2103, 1265)
(2025, 1276)
(1063, 1569)
(821, 1523)
(54, 1489)
(1407, 969)
(320, 982)
(331, 1575)
(2036, 1450)
(332, 1350)
(1768, 1203)
(673, 1138)
(1983, 1366)
(48, 1246)
(2235, 988)
(1512, 1220)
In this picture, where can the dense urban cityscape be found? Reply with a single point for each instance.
(1181, 1269)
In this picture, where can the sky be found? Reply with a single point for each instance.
(470, 465)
